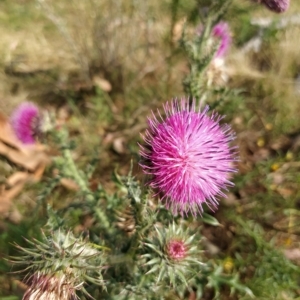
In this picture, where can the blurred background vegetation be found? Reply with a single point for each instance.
(101, 66)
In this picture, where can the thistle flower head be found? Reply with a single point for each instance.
(220, 35)
(25, 121)
(278, 6)
(171, 251)
(176, 249)
(60, 265)
(221, 31)
(187, 153)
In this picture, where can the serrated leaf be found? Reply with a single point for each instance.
(159, 235)
(190, 239)
(154, 248)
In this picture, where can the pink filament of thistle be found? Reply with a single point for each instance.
(176, 250)
(24, 120)
(221, 31)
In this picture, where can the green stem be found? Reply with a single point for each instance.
(119, 259)
(72, 171)
(105, 223)
(141, 231)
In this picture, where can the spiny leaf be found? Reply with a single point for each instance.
(153, 261)
(155, 268)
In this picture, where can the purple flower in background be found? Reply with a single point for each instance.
(221, 31)
(278, 6)
(189, 157)
(25, 121)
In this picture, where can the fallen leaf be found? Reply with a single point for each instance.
(102, 83)
(17, 177)
(292, 254)
(69, 184)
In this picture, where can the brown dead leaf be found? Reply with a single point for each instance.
(7, 134)
(69, 184)
(292, 254)
(16, 178)
(6, 196)
(177, 30)
(119, 145)
(102, 83)
(285, 192)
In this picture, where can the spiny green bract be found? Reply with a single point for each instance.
(72, 261)
(172, 253)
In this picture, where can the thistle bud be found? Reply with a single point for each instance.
(278, 6)
(60, 265)
(44, 287)
(176, 250)
(171, 252)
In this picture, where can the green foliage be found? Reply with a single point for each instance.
(269, 266)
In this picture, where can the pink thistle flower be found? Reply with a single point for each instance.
(189, 157)
(278, 6)
(25, 121)
(176, 250)
(221, 31)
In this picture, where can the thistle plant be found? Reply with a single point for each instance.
(172, 255)
(143, 238)
(60, 265)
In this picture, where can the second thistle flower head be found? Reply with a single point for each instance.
(172, 253)
(188, 155)
(278, 6)
(222, 32)
(25, 121)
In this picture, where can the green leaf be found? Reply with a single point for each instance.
(153, 261)
(208, 219)
(154, 269)
(161, 274)
(180, 275)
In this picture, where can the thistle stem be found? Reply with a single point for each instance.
(75, 174)
(71, 170)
